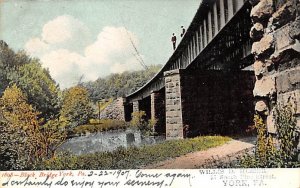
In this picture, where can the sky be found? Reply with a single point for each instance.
(94, 38)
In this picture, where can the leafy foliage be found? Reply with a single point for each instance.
(138, 118)
(76, 108)
(119, 85)
(54, 135)
(36, 83)
(12, 149)
(9, 63)
(20, 117)
(132, 157)
(139, 121)
(270, 153)
(96, 125)
(41, 89)
(286, 132)
(30, 97)
(23, 143)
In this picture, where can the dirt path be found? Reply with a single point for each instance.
(196, 159)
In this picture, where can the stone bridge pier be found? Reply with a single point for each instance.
(143, 105)
(128, 109)
(158, 111)
(153, 106)
(209, 102)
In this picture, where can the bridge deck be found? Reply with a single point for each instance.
(217, 38)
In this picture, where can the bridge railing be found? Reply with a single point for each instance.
(209, 20)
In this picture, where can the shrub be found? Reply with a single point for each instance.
(54, 135)
(139, 121)
(23, 141)
(76, 107)
(21, 135)
(96, 125)
(286, 133)
(268, 153)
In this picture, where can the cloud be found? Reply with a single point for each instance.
(65, 48)
(36, 46)
(112, 52)
(64, 66)
(112, 43)
(63, 32)
(129, 65)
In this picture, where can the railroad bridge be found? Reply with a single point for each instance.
(207, 83)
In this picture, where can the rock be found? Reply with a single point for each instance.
(261, 107)
(253, 2)
(283, 39)
(288, 80)
(264, 87)
(259, 68)
(295, 29)
(291, 98)
(269, 66)
(288, 54)
(287, 46)
(271, 128)
(262, 11)
(264, 47)
(284, 14)
(257, 31)
(115, 110)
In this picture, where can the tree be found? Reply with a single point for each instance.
(6, 64)
(20, 137)
(76, 107)
(42, 91)
(119, 85)
(23, 140)
(12, 149)
(35, 81)
(9, 64)
(139, 121)
(54, 134)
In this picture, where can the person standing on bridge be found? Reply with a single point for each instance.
(173, 39)
(183, 31)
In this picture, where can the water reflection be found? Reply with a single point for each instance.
(107, 141)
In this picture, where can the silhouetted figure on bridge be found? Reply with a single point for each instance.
(183, 31)
(173, 39)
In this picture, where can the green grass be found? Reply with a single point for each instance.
(133, 157)
(96, 125)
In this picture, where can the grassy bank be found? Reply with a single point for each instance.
(96, 125)
(133, 157)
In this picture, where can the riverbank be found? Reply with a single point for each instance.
(133, 157)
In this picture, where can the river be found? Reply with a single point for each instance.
(107, 141)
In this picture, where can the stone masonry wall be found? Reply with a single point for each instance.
(135, 106)
(158, 111)
(115, 110)
(276, 35)
(174, 122)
